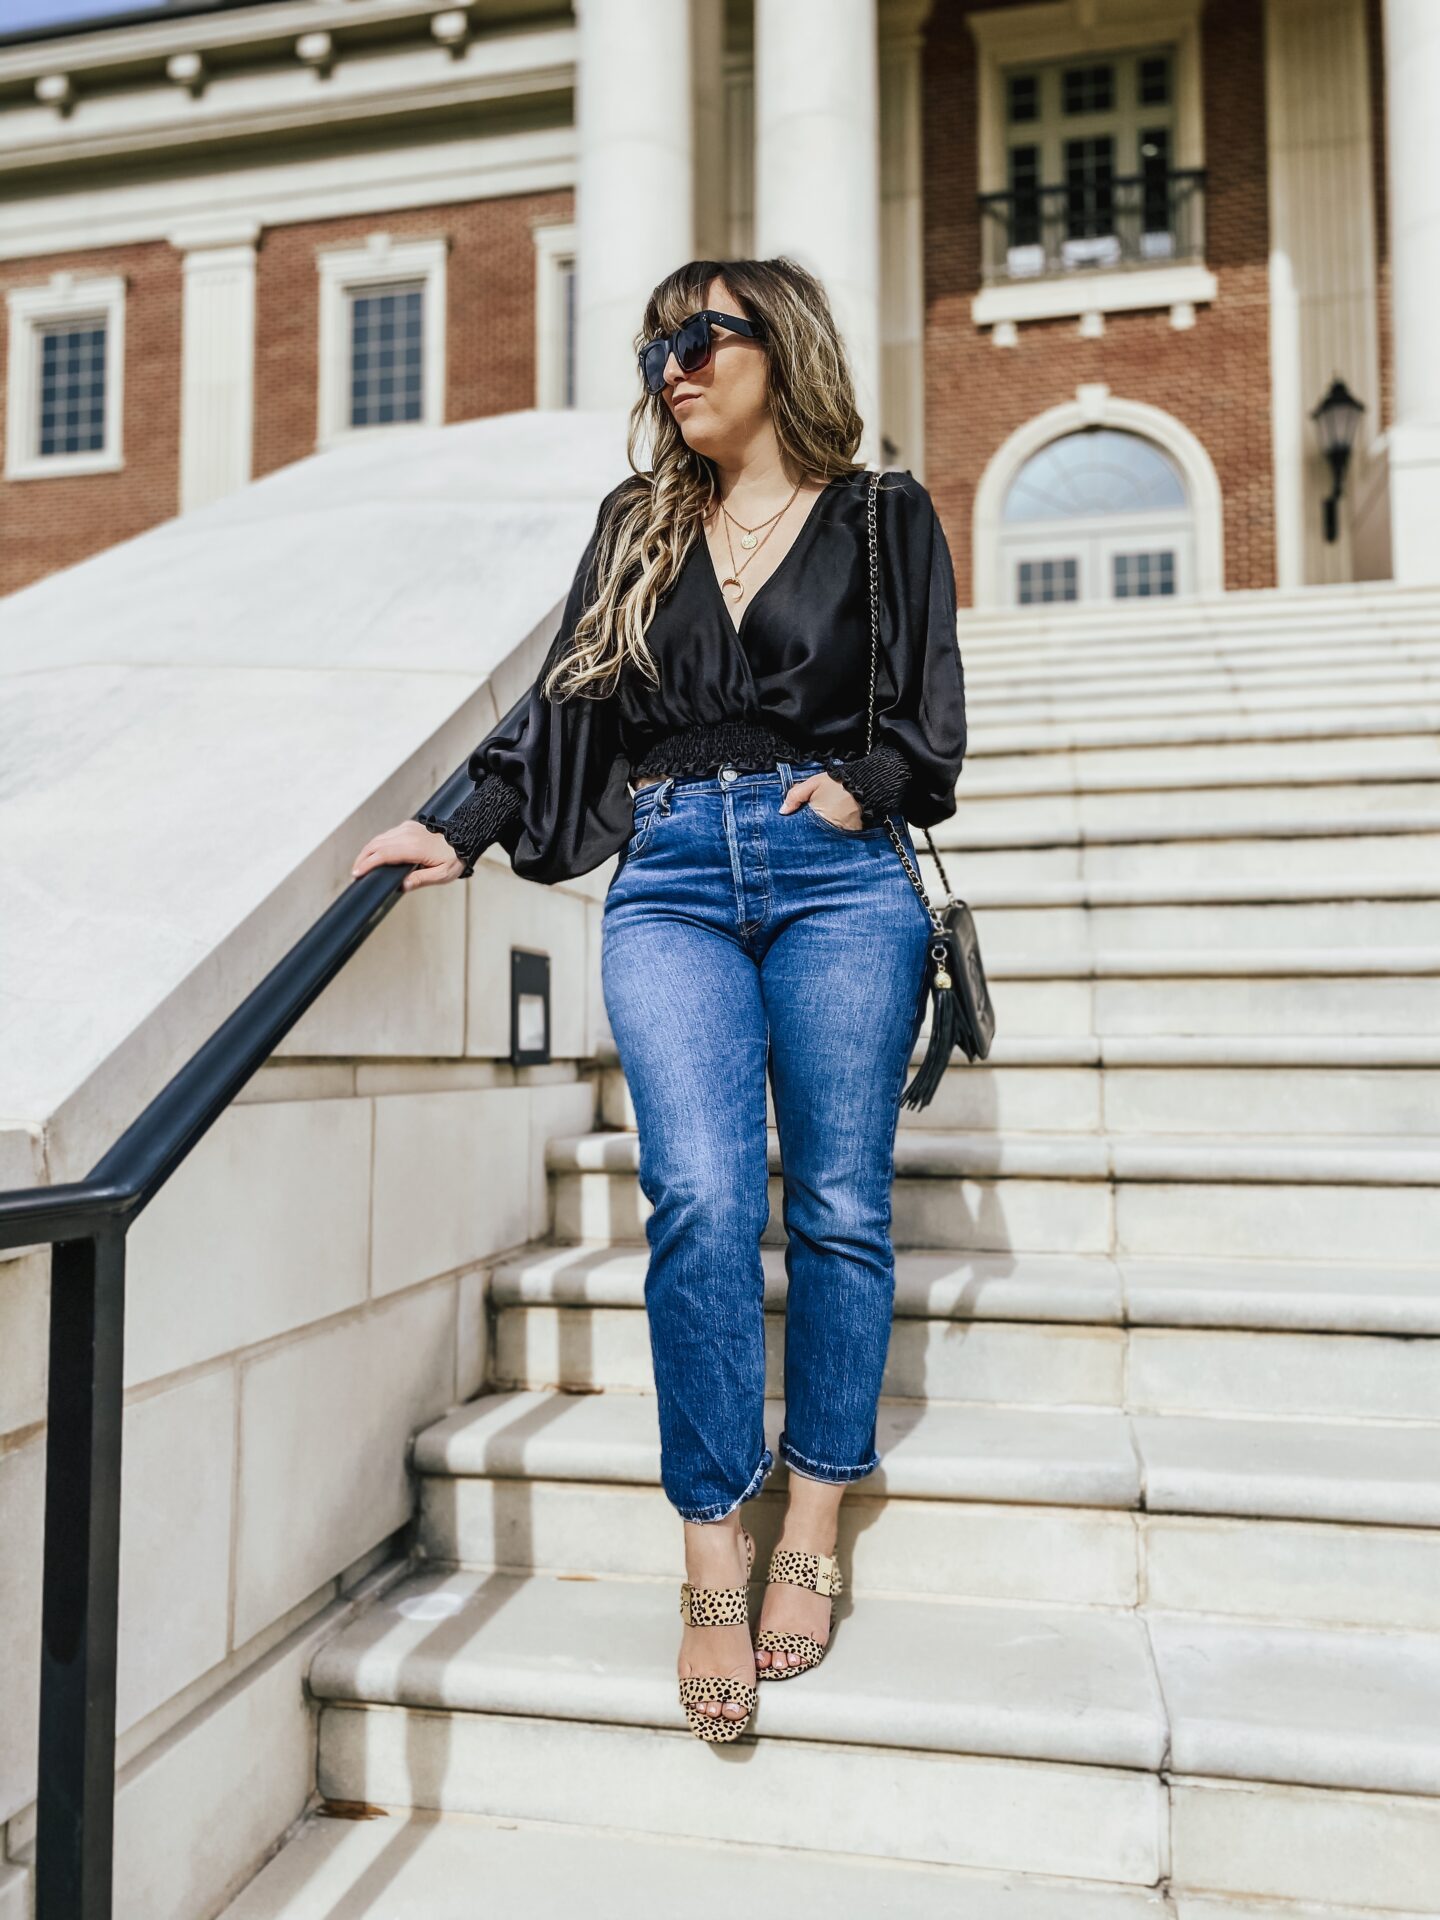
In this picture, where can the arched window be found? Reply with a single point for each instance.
(1099, 514)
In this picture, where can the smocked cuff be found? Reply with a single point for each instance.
(481, 817)
(877, 780)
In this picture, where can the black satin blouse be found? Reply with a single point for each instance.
(799, 662)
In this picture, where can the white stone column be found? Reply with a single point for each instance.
(635, 195)
(1323, 312)
(1412, 81)
(817, 167)
(217, 358)
(902, 232)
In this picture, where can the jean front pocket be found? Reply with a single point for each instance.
(843, 833)
(646, 813)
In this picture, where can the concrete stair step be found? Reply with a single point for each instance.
(1384, 1475)
(994, 1504)
(1080, 1085)
(1305, 1296)
(1307, 618)
(1036, 760)
(1030, 1364)
(1047, 1214)
(1332, 1197)
(1127, 655)
(1033, 829)
(1073, 919)
(1242, 699)
(939, 1153)
(1305, 993)
(1199, 668)
(1411, 849)
(395, 1864)
(1410, 721)
(402, 1865)
(1071, 1685)
(1154, 810)
(1078, 1740)
(1345, 889)
(1365, 764)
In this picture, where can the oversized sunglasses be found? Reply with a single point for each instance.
(691, 344)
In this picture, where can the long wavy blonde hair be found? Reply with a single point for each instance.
(657, 515)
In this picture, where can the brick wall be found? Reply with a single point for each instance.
(50, 523)
(46, 524)
(1214, 378)
(489, 320)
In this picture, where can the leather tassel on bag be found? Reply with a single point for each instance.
(931, 1071)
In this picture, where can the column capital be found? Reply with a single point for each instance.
(902, 23)
(205, 230)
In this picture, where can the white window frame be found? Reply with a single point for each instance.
(381, 262)
(64, 298)
(555, 253)
(1095, 406)
(1037, 36)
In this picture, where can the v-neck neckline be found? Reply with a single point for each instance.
(738, 627)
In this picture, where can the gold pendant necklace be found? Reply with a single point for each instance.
(749, 538)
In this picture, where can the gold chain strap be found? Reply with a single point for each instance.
(939, 950)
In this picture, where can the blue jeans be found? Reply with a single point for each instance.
(738, 939)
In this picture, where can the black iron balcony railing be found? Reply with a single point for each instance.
(1092, 223)
(85, 1224)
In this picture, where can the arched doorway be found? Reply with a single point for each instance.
(1097, 514)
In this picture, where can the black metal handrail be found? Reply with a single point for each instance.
(1095, 221)
(85, 1223)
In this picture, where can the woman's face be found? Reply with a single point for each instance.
(718, 408)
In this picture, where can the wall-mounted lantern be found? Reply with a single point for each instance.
(529, 1008)
(1337, 421)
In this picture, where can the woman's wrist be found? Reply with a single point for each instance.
(481, 817)
(877, 781)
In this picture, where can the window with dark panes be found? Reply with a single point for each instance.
(1139, 576)
(1088, 89)
(1090, 185)
(386, 354)
(1090, 168)
(72, 387)
(1042, 582)
(1024, 98)
(1025, 192)
(1153, 89)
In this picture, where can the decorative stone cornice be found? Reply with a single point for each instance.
(413, 79)
(153, 41)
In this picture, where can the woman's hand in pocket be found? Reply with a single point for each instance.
(410, 844)
(838, 805)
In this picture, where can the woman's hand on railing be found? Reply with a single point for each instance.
(410, 844)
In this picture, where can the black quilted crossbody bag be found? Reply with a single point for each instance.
(961, 1013)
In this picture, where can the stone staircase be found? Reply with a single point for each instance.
(1144, 1604)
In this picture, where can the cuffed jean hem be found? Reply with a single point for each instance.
(722, 1509)
(816, 1470)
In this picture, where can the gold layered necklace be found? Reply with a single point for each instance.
(750, 537)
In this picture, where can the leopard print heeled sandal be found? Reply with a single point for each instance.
(716, 1607)
(817, 1573)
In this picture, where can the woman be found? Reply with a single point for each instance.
(702, 713)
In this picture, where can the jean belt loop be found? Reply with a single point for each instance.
(787, 777)
(662, 798)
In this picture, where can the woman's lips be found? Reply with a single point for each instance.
(685, 400)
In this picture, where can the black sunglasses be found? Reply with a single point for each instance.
(692, 345)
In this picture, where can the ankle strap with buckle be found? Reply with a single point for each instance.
(713, 1606)
(817, 1572)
